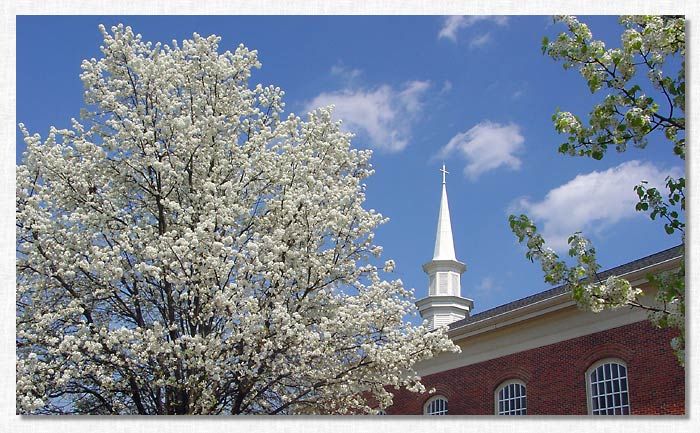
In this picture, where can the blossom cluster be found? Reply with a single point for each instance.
(187, 248)
(593, 294)
(627, 114)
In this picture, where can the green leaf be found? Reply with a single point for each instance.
(594, 84)
(671, 87)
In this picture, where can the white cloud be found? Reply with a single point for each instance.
(385, 114)
(486, 286)
(486, 146)
(346, 74)
(446, 87)
(517, 94)
(452, 24)
(411, 95)
(591, 202)
(479, 41)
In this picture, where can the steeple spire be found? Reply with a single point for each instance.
(444, 303)
(444, 244)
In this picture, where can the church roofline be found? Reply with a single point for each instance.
(546, 299)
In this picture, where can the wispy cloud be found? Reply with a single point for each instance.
(412, 94)
(486, 292)
(446, 87)
(385, 113)
(487, 286)
(485, 147)
(479, 41)
(591, 202)
(508, 89)
(453, 24)
(346, 74)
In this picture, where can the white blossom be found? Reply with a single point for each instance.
(187, 249)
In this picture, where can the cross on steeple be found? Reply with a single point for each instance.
(444, 172)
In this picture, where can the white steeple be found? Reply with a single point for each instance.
(444, 245)
(444, 303)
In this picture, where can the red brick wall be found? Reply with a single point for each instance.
(555, 376)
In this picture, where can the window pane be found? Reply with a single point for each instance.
(512, 399)
(437, 406)
(609, 394)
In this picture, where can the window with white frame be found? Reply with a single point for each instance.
(436, 406)
(608, 393)
(511, 398)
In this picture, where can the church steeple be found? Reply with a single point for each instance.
(444, 303)
(444, 244)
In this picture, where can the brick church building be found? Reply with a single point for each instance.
(541, 355)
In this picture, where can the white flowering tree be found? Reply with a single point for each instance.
(184, 250)
(627, 114)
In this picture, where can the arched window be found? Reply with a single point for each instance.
(606, 384)
(435, 406)
(511, 398)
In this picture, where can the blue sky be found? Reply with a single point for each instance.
(474, 92)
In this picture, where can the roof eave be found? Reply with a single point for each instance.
(553, 303)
